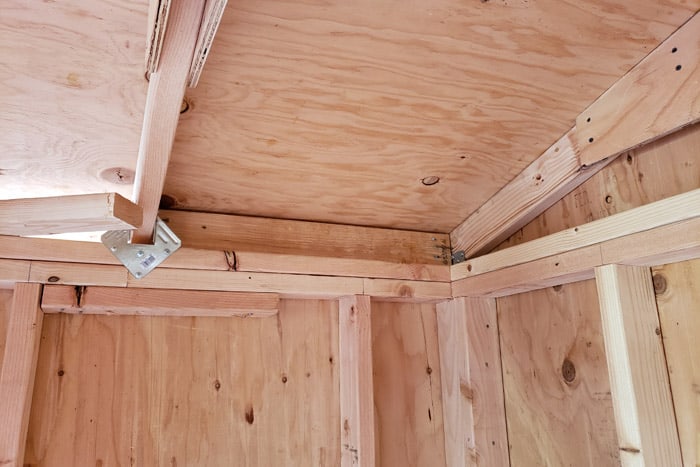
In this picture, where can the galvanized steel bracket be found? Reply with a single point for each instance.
(142, 259)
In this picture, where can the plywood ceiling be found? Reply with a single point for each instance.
(327, 111)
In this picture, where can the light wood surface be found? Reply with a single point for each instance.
(63, 214)
(678, 208)
(213, 11)
(412, 291)
(558, 402)
(356, 388)
(153, 391)
(12, 271)
(5, 307)
(73, 92)
(541, 184)
(78, 274)
(661, 245)
(658, 96)
(121, 301)
(166, 88)
(646, 424)
(261, 235)
(677, 288)
(407, 389)
(345, 108)
(472, 384)
(19, 361)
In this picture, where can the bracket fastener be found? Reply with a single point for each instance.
(142, 259)
(458, 257)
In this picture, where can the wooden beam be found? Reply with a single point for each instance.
(661, 245)
(472, 383)
(286, 285)
(356, 386)
(409, 291)
(157, 22)
(17, 373)
(154, 302)
(12, 271)
(46, 272)
(549, 178)
(280, 236)
(65, 214)
(166, 88)
(646, 425)
(656, 97)
(667, 211)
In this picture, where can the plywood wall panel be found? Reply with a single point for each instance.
(558, 403)
(149, 391)
(407, 391)
(677, 288)
(335, 111)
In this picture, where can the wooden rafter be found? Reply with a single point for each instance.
(65, 214)
(166, 89)
(656, 97)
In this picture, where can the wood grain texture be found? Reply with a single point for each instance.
(344, 108)
(213, 11)
(64, 214)
(357, 443)
(73, 93)
(639, 383)
(166, 88)
(541, 184)
(558, 402)
(664, 168)
(412, 291)
(677, 288)
(260, 235)
(472, 384)
(78, 274)
(121, 301)
(656, 97)
(17, 373)
(149, 391)
(12, 271)
(407, 389)
(678, 208)
(5, 307)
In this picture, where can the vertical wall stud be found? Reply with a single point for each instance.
(356, 386)
(17, 372)
(646, 425)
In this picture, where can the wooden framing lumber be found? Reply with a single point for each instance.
(65, 214)
(356, 386)
(656, 97)
(12, 271)
(157, 22)
(46, 272)
(661, 245)
(411, 291)
(17, 372)
(472, 383)
(550, 177)
(166, 88)
(667, 211)
(646, 425)
(288, 237)
(154, 302)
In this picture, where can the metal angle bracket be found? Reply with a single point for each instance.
(458, 257)
(142, 259)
